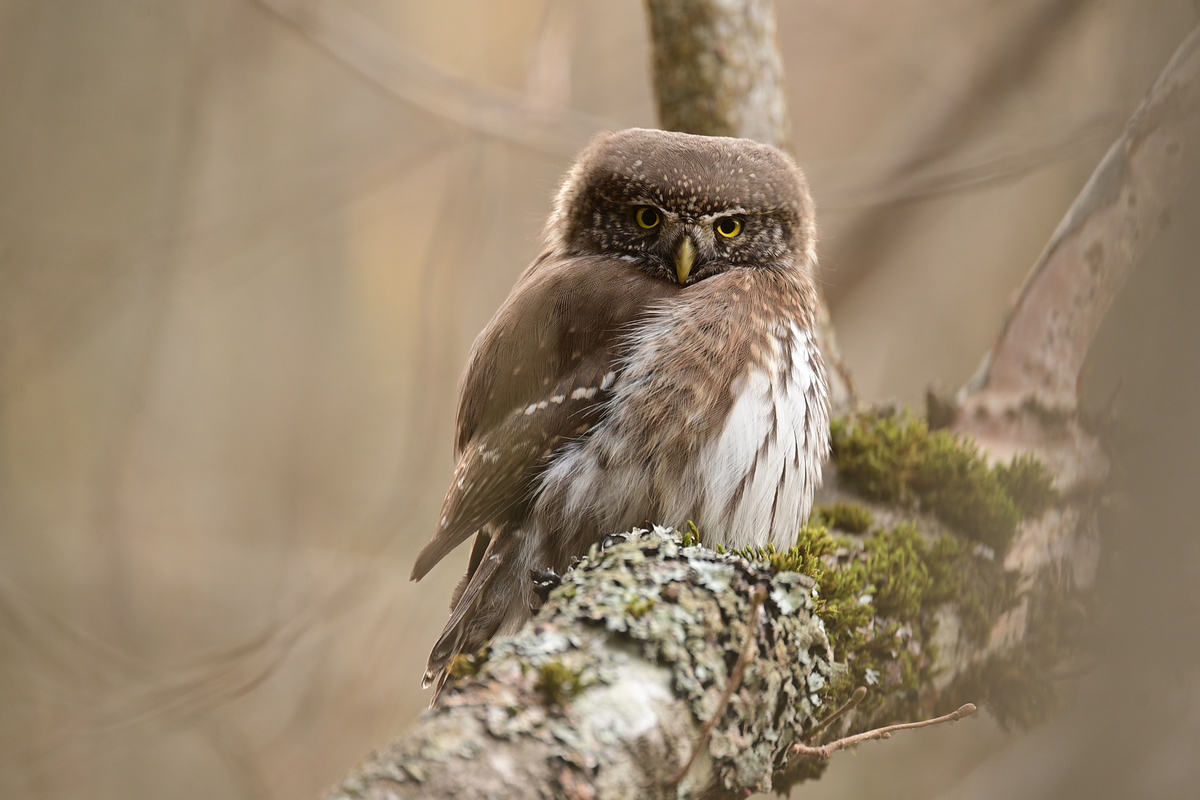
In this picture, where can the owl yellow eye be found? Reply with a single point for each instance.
(647, 217)
(729, 227)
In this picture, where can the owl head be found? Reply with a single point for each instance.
(683, 207)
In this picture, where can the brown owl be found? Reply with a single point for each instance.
(655, 364)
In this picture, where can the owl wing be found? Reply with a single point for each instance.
(537, 377)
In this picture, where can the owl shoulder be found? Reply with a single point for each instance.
(564, 311)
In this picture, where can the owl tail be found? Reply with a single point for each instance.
(492, 597)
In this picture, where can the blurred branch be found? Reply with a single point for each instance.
(1024, 396)
(1044, 340)
(951, 173)
(717, 69)
(718, 72)
(361, 45)
(985, 73)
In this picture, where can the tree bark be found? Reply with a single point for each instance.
(717, 69)
(1043, 344)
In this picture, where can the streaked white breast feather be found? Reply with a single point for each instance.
(761, 472)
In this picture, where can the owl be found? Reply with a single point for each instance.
(656, 364)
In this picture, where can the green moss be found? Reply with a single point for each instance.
(691, 537)
(896, 458)
(558, 683)
(465, 665)
(1029, 484)
(877, 455)
(877, 597)
(640, 606)
(849, 517)
(979, 587)
(956, 484)
(896, 567)
(812, 543)
(1018, 686)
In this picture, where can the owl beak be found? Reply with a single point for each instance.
(685, 257)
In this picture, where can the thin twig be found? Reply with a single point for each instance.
(847, 707)
(826, 750)
(735, 680)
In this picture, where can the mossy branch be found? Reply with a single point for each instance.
(602, 696)
(636, 678)
(664, 669)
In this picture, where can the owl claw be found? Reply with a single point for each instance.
(611, 539)
(545, 581)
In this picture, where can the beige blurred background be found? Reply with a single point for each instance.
(246, 244)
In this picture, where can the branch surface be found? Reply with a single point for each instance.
(606, 692)
(1023, 399)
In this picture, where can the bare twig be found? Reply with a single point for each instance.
(826, 750)
(859, 695)
(735, 680)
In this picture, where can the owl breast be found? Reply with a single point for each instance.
(732, 444)
(760, 472)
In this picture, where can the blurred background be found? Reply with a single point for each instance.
(245, 246)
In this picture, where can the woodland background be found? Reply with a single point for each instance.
(246, 244)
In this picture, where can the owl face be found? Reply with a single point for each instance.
(684, 207)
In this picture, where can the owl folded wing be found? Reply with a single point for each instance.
(498, 469)
(538, 377)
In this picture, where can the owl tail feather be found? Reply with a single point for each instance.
(454, 635)
(442, 543)
(496, 599)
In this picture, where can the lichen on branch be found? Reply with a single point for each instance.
(605, 691)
